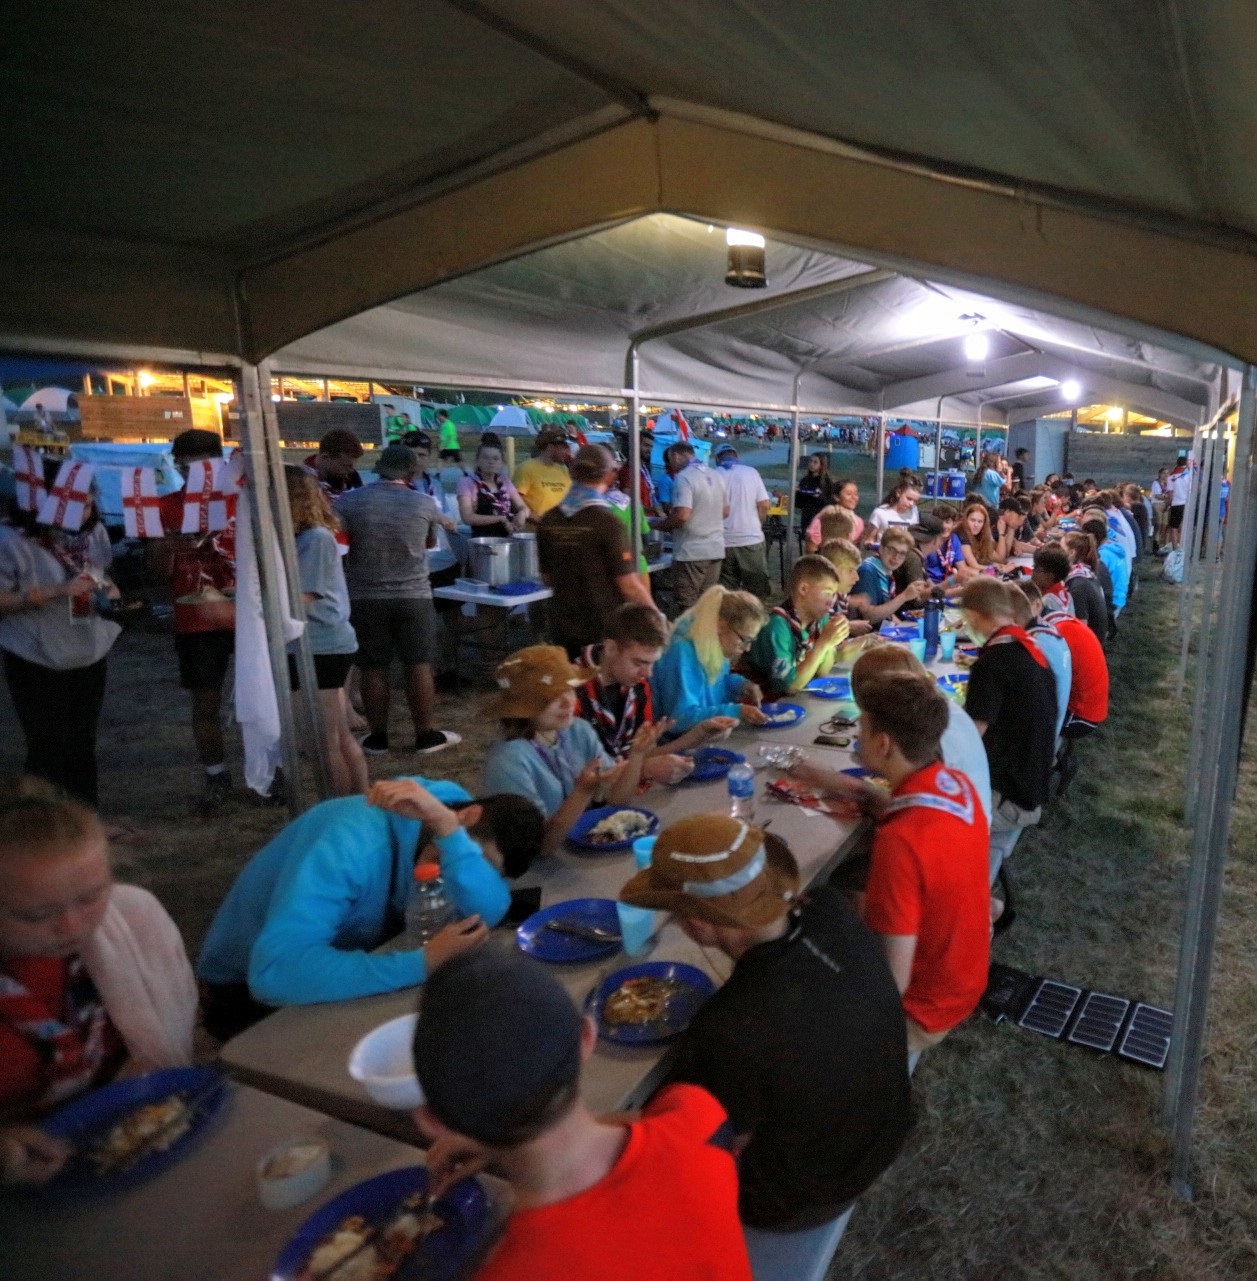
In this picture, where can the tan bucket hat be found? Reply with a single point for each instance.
(531, 679)
(720, 869)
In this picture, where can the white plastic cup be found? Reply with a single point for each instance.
(382, 1064)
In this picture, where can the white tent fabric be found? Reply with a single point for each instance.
(564, 316)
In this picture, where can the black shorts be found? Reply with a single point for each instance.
(404, 629)
(454, 455)
(330, 670)
(1176, 516)
(203, 658)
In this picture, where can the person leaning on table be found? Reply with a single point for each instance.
(804, 1045)
(303, 917)
(499, 1050)
(94, 981)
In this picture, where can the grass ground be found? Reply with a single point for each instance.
(1030, 1159)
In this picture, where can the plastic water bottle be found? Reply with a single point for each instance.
(741, 791)
(429, 906)
(930, 620)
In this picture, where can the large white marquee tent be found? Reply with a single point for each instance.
(216, 184)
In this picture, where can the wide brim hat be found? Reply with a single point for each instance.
(531, 679)
(718, 869)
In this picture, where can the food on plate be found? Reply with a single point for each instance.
(375, 1256)
(623, 825)
(637, 1002)
(155, 1127)
(783, 717)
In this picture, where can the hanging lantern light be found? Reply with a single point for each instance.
(746, 259)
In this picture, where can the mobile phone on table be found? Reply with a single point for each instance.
(832, 740)
(523, 904)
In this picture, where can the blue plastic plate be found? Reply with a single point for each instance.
(969, 651)
(899, 633)
(680, 1011)
(579, 835)
(856, 771)
(563, 949)
(522, 588)
(953, 681)
(445, 1254)
(90, 1117)
(711, 763)
(797, 713)
(829, 687)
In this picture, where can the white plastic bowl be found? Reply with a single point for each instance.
(281, 1191)
(382, 1064)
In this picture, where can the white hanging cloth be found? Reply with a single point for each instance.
(141, 512)
(28, 468)
(257, 706)
(64, 507)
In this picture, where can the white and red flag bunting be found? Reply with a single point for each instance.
(28, 466)
(209, 497)
(65, 505)
(141, 514)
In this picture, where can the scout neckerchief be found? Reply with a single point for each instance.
(491, 500)
(1011, 635)
(947, 791)
(616, 733)
(69, 550)
(804, 638)
(578, 497)
(70, 1041)
(1079, 571)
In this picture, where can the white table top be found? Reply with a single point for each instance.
(489, 597)
(200, 1220)
(300, 1052)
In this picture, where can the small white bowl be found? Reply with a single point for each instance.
(293, 1171)
(382, 1064)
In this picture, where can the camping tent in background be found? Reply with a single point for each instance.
(513, 418)
(55, 399)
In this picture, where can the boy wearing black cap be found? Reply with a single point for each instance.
(804, 1045)
(498, 1052)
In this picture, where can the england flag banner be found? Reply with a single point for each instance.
(65, 505)
(28, 466)
(209, 497)
(141, 515)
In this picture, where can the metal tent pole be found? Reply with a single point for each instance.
(881, 458)
(635, 451)
(309, 692)
(1219, 767)
(791, 541)
(258, 471)
(938, 454)
(1187, 598)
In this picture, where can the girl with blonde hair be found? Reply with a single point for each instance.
(693, 680)
(332, 638)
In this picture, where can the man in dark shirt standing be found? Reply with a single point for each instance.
(584, 556)
(1012, 701)
(804, 1046)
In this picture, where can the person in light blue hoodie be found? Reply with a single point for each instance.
(304, 916)
(1113, 556)
(693, 680)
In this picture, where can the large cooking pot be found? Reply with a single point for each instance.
(524, 564)
(489, 560)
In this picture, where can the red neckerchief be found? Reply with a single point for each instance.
(69, 550)
(1079, 570)
(71, 1041)
(1060, 594)
(616, 734)
(1016, 635)
(936, 787)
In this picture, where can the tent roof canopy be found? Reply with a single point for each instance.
(223, 181)
(564, 316)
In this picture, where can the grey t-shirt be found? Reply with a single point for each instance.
(388, 526)
(702, 537)
(323, 577)
(47, 635)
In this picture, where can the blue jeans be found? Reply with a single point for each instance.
(795, 1256)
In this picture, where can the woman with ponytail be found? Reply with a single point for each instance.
(693, 680)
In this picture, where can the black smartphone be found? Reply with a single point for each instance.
(832, 740)
(523, 904)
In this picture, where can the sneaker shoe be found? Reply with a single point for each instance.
(218, 788)
(434, 740)
(375, 744)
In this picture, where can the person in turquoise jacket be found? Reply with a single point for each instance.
(1113, 554)
(692, 680)
(302, 919)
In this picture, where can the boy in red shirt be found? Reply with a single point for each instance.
(498, 1052)
(927, 893)
(1088, 705)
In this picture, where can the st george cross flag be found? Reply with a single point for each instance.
(28, 464)
(207, 498)
(141, 515)
(64, 507)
